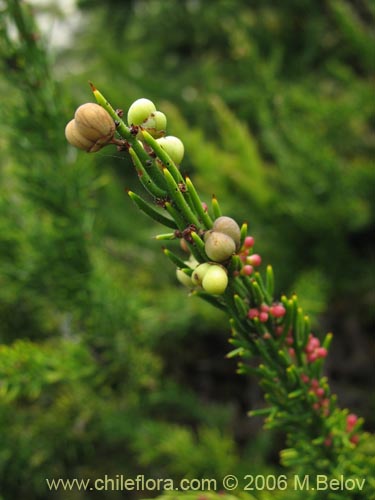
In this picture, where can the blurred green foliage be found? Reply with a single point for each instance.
(106, 366)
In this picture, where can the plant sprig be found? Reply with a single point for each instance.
(273, 333)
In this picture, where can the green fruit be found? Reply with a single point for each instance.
(219, 246)
(199, 273)
(173, 146)
(215, 280)
(228, 226)
(140, 110)
(184, 278)
(160, 121)
(156, 124)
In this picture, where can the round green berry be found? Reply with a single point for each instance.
(219, 246)
(184, 278)
(173, 146)
(140, 110)
(215, 280)
(199, 273)
(228, 226)
(156, 124)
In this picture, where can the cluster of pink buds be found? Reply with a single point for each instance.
(314, 350)
(351, 421)
(249, 260)
(265, 311)
(315, 388)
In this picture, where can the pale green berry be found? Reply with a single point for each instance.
(199, 273)
(192, 262)
(156, 124)
(173, 146)
(215, 280)
(228, 226)
(219, 246)
(160, 121)
(140, 110)
(184, 278)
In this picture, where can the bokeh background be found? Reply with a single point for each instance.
(106, 365)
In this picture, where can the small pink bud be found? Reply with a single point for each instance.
(313, 343)
(267, 336)
(305, 379)
(249, 242)
(263, 316)
(328, 442)
(351, 420)
(321, 352)
(320, 392)
(354, 439)
(254, 259)
(316, 406)
(265, 308)
(311, 357)
(292, 352)
(247, 270)
(205, 206)
(277, 311)
(314, 383)
(325, 403)
(279, 330)
(253, 313)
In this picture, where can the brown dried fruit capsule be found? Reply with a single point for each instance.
(76, 139)
(94, 123)
(219, 246)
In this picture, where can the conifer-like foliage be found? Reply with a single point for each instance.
(106, 365)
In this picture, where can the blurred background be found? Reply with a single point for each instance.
(106, 365)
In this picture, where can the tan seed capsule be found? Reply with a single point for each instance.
(76, 139)
(219, 246)
(94, 123)
(228, 226)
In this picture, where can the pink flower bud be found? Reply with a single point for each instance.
(247, 270)
(311, 357)
(320, 392)
(249, 242)
(351, 420)
(254, 259)
(253, 313)
(279, 330)
(277, 311)
(321, 352)
(314, 383)
(354, 439)
(263, 316)
(328, 442)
